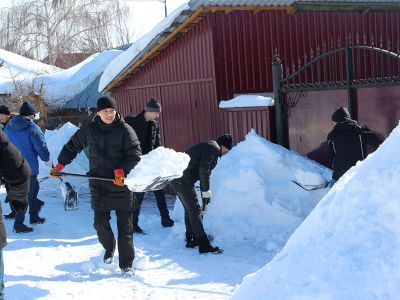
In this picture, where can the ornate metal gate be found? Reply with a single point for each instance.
(345, 68)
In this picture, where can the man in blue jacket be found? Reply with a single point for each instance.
(29, 139)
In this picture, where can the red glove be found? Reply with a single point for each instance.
(56, 169)
(119, 177)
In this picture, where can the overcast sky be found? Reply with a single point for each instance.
(145, 13)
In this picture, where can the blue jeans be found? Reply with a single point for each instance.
(1, 275)
(32, 201)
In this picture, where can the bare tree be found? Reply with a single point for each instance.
(39, 28)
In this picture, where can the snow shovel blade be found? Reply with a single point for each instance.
(70, 196)
(157, 183)
(310, 187)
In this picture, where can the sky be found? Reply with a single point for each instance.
(145, 13)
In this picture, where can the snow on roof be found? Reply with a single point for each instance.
(17, 68)
(247, 101)
(59, 86)
(62, 86)
(125, 59)
(348, 247)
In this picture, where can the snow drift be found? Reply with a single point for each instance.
(349, 246)
(254, 199)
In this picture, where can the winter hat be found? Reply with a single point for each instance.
(225, 140)
(5, 110)
(340, 114)
(106, 102)
(27, 109)
(153, 105)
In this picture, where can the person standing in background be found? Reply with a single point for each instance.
(148, 131)
(29, 139)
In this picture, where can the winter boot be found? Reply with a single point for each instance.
(127, 272)
(205, 246)
(22, 229)
(167, 222)
(37, 220)
(137, 229)
(40, 204)
(11, 215)
(191, 240)
(109, 255)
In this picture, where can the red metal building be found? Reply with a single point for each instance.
(216, 50)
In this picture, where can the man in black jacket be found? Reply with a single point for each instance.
(113, 149)
(347, 142)
(148, 131)
(17, 174)
(203, 159)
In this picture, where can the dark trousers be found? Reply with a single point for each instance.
(32, 202)
(125, 234)
(187, 195)
(161, 204)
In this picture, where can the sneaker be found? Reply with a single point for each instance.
(167, 222)
(210, 249)
(191, 241)
(11, 215)
(137, 229)
(127, 272)
(23, 229)
(37, 220)
(109, 255)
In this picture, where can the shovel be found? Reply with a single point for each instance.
(157, 183)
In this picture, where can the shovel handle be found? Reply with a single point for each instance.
(81, 176)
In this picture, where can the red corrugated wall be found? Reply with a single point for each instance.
(231, 53)
(183, 78)
(245, 42)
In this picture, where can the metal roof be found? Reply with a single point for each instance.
(194, 5)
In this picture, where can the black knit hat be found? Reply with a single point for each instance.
(5, 110)
(27, 109)
(106, 102)
(225, 140)
(153, 105)
(340, 114)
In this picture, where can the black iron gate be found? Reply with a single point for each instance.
(344, 68)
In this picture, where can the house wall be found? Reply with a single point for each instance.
(182, 77)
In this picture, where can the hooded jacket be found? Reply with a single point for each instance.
(29, 139)
(348, 142)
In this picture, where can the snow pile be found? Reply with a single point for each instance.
(349, 246)
(254, 199)
(121, 62)
(162, 162)
(247, 101)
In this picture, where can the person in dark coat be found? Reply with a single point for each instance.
(148, 131)
(29, 139)
(17, 173)
(348, 142)
(5, 115)
(203, 159)
(114, 150)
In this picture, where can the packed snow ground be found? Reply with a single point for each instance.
(254, 209)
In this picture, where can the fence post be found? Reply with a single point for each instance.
(279, 110)
(351, 92)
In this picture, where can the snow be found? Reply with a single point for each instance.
(58, 85)
(118, 65)
(247, 101)
(17, 68)
(254, 209)
(349, 246)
